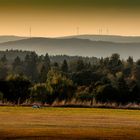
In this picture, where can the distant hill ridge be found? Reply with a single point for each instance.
(10, 38)
(78, 45)
(108, 38)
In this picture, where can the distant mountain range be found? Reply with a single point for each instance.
(82, 45)
(108, 38)
(10, 38)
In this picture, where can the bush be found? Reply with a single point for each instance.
(106, 94)
(60, 86)
(1, 96)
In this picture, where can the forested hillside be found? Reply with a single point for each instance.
(48, 79)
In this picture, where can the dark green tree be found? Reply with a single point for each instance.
(30, 65)
(17, 62)
(3, 59)
(43, 74)
(18, 66)
(17, 89)
(46, 64)
(1, 96)
(59, 86)
(80, 65)
(64, 66)
(3, 72)
(39, 93)
(115, 64)
(130, 60)
(85, 94)
(105, 94)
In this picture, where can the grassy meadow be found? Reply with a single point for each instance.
(20, 123)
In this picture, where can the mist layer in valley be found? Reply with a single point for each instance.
(82, 45)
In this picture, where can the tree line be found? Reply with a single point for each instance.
(39, 79)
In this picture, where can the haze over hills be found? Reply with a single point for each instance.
(10, 38)
(79, 45)
(108, 38)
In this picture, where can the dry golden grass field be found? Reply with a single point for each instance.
(26, 123)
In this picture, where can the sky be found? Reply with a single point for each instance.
(52, 18)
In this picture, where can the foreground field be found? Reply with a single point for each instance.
(20, 123)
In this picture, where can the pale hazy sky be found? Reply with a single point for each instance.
(62, 17)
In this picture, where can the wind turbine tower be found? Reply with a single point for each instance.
(77, 31)
(30, 32)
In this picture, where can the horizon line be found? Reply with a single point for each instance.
(72, 35)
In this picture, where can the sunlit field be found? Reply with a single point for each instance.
(68, 123)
